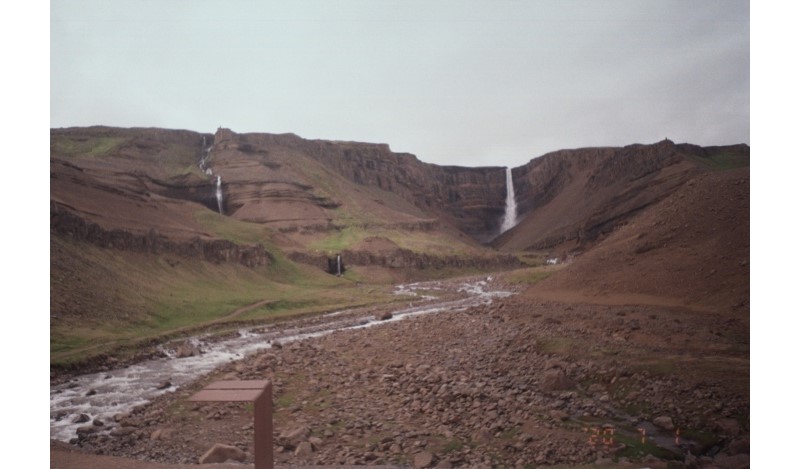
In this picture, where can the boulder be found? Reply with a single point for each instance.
(87, 430)
(316, 442)
(555, 379)
(222, 453)
(186, 350)
(423, 459)
(122, 431)
(164, 385)
(304, 450)
(728, 427)
(296, 436)
(664, 422)
(385, 316)
(161, 434)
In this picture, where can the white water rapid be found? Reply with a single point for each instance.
(105, 394)
(219, 194)
(510, 217)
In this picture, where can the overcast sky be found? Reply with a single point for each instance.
(465, 83)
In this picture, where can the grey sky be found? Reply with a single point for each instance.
(463, 83)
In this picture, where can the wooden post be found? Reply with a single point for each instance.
(259, 392)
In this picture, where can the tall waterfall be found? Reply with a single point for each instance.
(219, 194)
(510, 218)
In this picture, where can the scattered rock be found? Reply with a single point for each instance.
(82, 418)
(222, 453)
(467, 389)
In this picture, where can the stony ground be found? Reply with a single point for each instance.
(518, 383)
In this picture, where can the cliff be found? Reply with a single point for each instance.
(470, 199)
(570, 198)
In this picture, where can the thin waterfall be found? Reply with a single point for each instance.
(338, 265)
(510, 217)
(205, 154)
(219, 194)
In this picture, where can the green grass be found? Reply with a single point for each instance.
(452, 445)
(157, 299)
(419, 241)
(558, 345)
(723, 161)
(341, 239)
(634, 448)
(284, 401)
(86, 147)
(530, 276)
(239, 232)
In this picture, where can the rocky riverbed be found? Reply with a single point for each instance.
(519, 382)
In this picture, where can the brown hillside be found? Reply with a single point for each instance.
(692, 248)
(569, 198)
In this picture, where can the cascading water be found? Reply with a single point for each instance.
(339, 265)
(219, 194)
(205, 154)
(510, 217)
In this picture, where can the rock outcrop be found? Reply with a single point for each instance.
(400, 258)
(65, 223)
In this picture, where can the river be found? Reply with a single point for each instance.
(102, 395)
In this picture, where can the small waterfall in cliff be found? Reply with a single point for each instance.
(339, 265)
(205, 154)
(510, 217)
(219, 194)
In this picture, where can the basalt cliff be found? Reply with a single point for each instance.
(296, 185)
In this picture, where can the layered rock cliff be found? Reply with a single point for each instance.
(66, 224)
(131, 179)
(470, 199)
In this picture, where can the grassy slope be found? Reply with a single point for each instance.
(140, 297)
